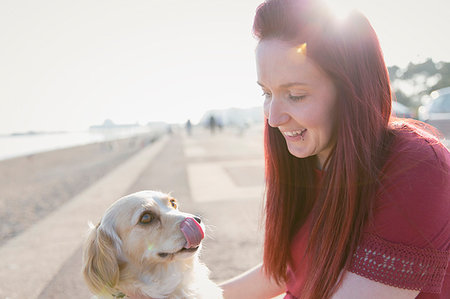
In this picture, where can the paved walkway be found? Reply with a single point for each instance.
(217, 176)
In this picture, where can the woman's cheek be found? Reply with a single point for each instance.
(267, 108)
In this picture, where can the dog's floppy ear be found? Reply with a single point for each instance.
(100, 266)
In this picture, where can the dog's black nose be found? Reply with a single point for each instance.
(198, 219)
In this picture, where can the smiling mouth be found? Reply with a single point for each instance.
(295, 134)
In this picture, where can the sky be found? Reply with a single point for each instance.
(66, 65)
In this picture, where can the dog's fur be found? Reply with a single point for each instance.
(123, 255)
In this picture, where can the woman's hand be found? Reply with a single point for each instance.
(252, 284)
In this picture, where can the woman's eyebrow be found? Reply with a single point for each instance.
(287, 85)
(293, 84)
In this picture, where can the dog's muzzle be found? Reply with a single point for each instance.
(192, 231)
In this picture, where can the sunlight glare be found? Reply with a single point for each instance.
(341, 9)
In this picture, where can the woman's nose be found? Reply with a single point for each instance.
(276, 113)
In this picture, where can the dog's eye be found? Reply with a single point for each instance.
(146, 218)
(173, 203)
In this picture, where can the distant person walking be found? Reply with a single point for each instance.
(189, 127)
(212, 124)
(358, 204)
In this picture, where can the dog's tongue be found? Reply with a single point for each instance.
(192, 231)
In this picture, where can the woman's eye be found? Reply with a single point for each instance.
(146, 218)
(173, 203)
(297, 98)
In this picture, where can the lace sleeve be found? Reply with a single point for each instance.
(399, 265)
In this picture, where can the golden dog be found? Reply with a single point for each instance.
(144, 247)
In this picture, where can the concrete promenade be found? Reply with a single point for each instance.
(219, 177)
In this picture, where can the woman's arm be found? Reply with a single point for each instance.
(252, 284)
(355, 286)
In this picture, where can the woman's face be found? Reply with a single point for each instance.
(300, 99)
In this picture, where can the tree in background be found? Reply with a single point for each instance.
(416, 81)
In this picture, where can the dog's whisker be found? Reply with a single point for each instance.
(211, 226)
(211, 229)
(212, 237)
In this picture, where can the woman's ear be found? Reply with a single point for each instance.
(100, 266)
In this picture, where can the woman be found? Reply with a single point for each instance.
(357, 203)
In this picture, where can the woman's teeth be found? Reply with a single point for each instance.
(294, 133)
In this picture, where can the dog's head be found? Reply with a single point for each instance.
(139, 231)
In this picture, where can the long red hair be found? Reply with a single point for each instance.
(349, 53)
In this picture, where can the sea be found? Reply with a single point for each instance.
(16, 145)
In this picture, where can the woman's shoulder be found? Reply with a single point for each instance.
(416, 168)
(413, 147)
(416, 137)
(414, 195)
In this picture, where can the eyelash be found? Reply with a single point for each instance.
(293, 98)
(297, 98)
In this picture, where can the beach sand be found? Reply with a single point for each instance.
(33, 186)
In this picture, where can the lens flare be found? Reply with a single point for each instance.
(302, 49)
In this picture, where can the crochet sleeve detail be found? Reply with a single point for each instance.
(399, 265)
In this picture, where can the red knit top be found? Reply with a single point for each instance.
(407, 244)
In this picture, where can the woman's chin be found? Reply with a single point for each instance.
(299, 152)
